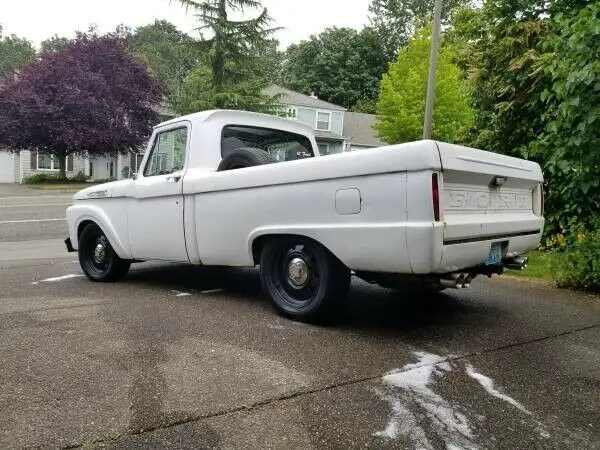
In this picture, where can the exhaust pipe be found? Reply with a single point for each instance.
(468, 280)
(453, 280)
(516, 263)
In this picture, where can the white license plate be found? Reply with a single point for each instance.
(495, 256)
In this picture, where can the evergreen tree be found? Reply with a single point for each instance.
(233, 76)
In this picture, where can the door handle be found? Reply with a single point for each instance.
(173, 178)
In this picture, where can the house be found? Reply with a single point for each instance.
(336, 129)
(14, 167)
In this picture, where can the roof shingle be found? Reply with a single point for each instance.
(358, 128)
(289, 97)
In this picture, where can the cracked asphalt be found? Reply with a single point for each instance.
(176, 356)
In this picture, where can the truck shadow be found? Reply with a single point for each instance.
(367, 307)
(186, 278)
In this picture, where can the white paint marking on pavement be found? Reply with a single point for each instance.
(488, 384)
(25, 205)
(212, 291)
(414, 381)
(63, 277)
(5, 222)
(412, 388)
(180, 294)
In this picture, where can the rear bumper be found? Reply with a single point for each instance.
(468, 254)
(431, 252)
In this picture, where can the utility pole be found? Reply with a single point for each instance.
(437, 17)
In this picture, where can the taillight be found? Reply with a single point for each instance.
(542, 200)
(435, 195)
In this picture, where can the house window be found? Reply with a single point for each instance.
(291, 112)
(323, 121)
(323, 149)
(47, 162)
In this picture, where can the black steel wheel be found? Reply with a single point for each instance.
(303, 280)
(97, 258)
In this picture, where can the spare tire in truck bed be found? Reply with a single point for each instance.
(245, 157)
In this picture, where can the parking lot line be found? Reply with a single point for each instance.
(37, 196)
(25, 205)
(5, 222)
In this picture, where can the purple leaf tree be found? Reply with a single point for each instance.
(93, 97)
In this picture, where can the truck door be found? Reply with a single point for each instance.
(156, 205)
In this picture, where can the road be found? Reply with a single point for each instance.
(184, 357)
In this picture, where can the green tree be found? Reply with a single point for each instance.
(498, 46)
(15, 54)
(340, 65)
(54, 44)
(396, 20)
(233, 77)
(170, 54)
(568, 146)
(401, 105)
(510, 48)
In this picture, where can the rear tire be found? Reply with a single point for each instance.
(97, 258)
(303, 280)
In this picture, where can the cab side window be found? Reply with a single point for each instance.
(168, 153)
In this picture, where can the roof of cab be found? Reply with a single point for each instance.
(204, 116)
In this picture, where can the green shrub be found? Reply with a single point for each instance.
(43, 178)
(579, 265)
(54, 178)
(80, 177)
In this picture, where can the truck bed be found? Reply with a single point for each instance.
(372, 209)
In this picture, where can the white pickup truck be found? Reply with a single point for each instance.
(234, 188)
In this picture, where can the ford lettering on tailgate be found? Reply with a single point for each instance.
(471, 200)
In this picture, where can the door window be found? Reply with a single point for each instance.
(168, 153)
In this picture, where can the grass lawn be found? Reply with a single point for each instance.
(540, 266)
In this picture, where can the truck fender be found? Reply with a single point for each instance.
(77, 214)
(256, 234)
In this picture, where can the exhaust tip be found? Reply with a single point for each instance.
(467, 282)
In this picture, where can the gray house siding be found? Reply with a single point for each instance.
(27, 165)
(331, 146)
(337, 122)
(306, 116)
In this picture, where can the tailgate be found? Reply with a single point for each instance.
(488, 196)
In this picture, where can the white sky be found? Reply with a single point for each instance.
(39, 19)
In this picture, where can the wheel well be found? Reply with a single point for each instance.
(259, 243)
(81, 226)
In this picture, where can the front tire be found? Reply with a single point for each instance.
(303, 280)
(97, 258)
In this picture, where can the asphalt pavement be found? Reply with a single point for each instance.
(176, 356)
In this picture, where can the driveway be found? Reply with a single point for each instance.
(183, 357)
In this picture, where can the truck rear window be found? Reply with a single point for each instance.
(282, 145)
